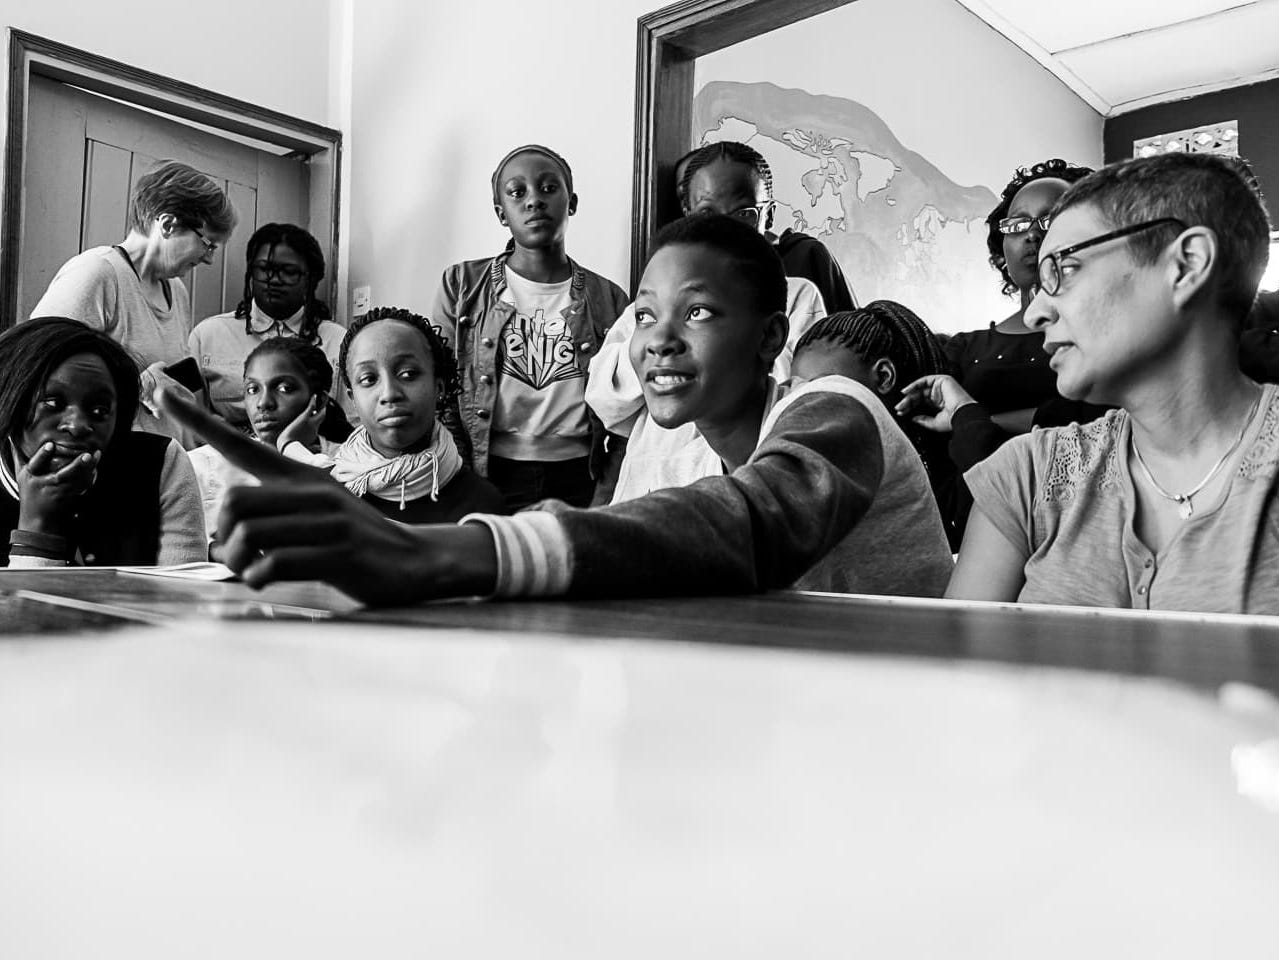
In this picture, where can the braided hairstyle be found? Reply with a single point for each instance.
(729, 150)
(887, 329)
(883, 328)
(307, 247)
(447, 379)
(1055, 169)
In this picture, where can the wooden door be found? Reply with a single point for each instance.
(85, 152)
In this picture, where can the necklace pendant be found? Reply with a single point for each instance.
(1187, 509)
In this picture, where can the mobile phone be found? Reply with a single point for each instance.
(187, 372)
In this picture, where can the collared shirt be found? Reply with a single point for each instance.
(221, 344)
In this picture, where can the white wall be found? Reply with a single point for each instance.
(948, 85)
(274, 53)
(441, 92)
(949, 88)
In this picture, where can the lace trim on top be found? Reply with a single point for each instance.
(1081, 454)
(1263, 455)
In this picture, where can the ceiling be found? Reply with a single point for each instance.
(1118, 55)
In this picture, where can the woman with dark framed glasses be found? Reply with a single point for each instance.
(1171, 501)
(284, 267)
(1002, 384)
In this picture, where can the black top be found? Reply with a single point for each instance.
(1004, 371)
(1259, 345)
(465, 493)
(118, 519)
(807, 257)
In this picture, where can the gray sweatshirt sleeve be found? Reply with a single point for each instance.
(182, 537)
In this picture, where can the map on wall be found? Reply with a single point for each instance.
(900, 228)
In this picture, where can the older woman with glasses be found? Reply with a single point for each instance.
(1145, 277)
(133, 291)
(284, 267)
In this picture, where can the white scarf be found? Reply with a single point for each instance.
(361, 469)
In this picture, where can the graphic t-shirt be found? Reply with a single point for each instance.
(541, 408)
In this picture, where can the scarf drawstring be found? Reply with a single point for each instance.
(435, 480)
(363, 470)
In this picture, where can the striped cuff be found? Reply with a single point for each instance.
(18, 561)
(532, 553)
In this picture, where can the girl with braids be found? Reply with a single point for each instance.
(284, 267)
(882, 346)
(403, 382)
(286, 396)
(733, 178)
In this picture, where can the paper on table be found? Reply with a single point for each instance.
(197, 570)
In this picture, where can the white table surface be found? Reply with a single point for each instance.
(274, 790)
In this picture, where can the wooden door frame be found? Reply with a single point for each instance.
(31, 54)
(669, 41)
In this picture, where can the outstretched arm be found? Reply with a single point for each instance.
(813, 477)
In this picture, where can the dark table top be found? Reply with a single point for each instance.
(1203, 651)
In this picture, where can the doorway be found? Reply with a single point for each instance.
(84, 154)
(82, 129)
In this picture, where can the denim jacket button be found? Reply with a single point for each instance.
(485, 379)
(482, 413)
(463, 320)
(487, 341)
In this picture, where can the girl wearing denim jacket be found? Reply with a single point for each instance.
(524, 326)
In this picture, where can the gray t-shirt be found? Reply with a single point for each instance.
(99, 288)
(1066, 496)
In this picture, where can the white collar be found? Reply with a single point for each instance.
(264, 325)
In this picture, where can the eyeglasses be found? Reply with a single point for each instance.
(1015, 225)
(753, 214)
(1050, 265)
(209, 245)
(264, 270)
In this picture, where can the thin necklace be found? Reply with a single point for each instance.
(1185, 507)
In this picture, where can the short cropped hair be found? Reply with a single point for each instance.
(1199, 189)
(30, 352)
(175, 188)
(309, 359)
(1054, 169)
(758, 267)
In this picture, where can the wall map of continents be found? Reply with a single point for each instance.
(899, 227)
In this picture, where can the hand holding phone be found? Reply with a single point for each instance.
(187, 372)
